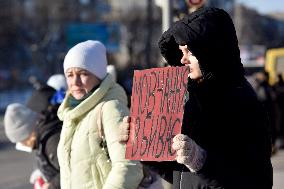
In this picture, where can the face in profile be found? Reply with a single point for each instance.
(188, 59)
(80, 82)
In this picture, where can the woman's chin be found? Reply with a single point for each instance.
(78, 96)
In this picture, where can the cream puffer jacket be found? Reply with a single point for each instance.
(83, 162)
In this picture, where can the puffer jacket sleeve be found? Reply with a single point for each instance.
(125, 174)
(55, 182)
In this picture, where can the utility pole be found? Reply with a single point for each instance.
(166, 6)
(148, 48)
(167, 14)
(167, 19)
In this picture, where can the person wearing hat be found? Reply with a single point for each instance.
(225, 141)
(24, 127)
(51, 93)
(89, 153)
(45, 101)
(40, 98)
(57, 81)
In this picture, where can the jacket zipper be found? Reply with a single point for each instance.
(181, 177)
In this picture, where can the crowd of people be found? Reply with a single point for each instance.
(35, 126)
(272, 98)
(79, 131)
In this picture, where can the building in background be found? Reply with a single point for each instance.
(35, 34)
(257, 34)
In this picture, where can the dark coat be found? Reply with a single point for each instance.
(223, 114)
(48, 134)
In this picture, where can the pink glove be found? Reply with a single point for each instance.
(188, 152)
(124, 130)
(39, 183)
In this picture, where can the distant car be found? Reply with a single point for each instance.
(274, 64)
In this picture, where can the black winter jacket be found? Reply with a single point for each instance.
(48, 134)
(223, 114)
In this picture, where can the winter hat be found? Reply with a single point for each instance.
(19, 122)
(57, 81)
(89, 55)
(40, 99)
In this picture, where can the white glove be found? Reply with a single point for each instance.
(124, 130)
(35, 175)
(188, 152)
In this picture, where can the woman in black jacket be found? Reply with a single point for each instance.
(225, 141)
(48, 131)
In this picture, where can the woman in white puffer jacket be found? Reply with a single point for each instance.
(89, 153)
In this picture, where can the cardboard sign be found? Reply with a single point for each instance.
(157, 105)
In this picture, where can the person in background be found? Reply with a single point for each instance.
(45, 100)
(279, 91)
(57, 82)
(267, 96)
(225, 141)
(25, 128)
(89, 153)
(188, 7)
(193, 5)
(51, 93)
(40, 98)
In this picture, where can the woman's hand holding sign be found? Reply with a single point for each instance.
(188, 152)
(124, 130)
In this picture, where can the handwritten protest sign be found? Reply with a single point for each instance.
(157, 104)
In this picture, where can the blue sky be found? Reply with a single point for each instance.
(264, 6)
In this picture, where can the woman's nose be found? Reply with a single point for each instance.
(184, 60)
(76, 80)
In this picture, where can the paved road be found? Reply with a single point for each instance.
(16, 167)
(278, 170)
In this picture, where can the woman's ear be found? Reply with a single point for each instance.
(31, 140)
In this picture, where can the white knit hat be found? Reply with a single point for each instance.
(89, 55)
(57, 81)
(19, 122)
